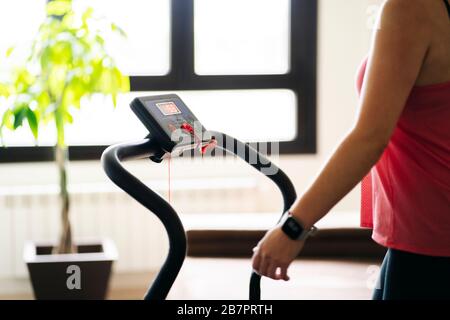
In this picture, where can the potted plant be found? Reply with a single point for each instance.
(67, 63)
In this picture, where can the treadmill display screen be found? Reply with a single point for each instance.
(168, 108)
(170, 122)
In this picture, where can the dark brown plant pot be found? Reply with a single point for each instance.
(83, 275)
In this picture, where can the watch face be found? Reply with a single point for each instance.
(293, 225)
(292, 228)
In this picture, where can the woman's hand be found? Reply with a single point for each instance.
(274, 253)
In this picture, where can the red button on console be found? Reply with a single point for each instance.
(187, 127)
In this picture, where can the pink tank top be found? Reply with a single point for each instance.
(406, 196)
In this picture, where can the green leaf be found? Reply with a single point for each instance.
(7, 120)
(32, 122)
(4, 90)
(20, 114)
(43, 100)
(105, 81)
(23, 79)
(59, 7)
(114, 99)
(57, 53)
(68, 117)
(9, 51)
(124, 82)
(87, 14)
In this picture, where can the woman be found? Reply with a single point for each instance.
(402, 136)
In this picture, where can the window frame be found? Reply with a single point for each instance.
(301, 79)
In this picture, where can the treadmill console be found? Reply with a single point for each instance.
(170, 122)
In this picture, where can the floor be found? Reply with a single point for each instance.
(205, 278)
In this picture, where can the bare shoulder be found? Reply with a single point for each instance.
(411, 16)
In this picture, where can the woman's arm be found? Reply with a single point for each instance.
(400, 45)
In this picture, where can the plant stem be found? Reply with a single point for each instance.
(65, 241)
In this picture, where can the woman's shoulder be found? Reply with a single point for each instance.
(419, 8)
(408, 15)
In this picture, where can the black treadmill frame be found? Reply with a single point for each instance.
(112, 163)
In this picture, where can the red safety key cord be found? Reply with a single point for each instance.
(168, 166)
(211, 144)
(188, 128)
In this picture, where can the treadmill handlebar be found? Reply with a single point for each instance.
(111, 161)
(260, 162)
(146, 148)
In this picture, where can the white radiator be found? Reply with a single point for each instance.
(102, 210)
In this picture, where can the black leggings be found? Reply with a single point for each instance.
(407, 275)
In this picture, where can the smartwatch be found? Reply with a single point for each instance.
(294, 229)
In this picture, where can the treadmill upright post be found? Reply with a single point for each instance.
(111, 161)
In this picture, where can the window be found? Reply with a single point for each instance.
(241, 37)
(146, 49)
(246, 67)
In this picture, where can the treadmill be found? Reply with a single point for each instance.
(175, 131)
